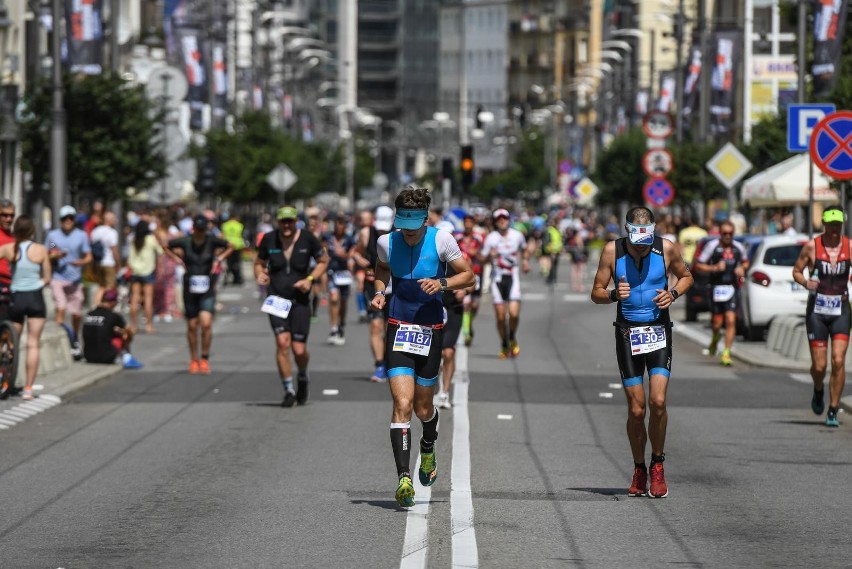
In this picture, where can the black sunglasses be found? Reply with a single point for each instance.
(67, 217)
(7, 215)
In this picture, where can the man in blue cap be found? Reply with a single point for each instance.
(415, 260)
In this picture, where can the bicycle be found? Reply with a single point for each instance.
(9, 343)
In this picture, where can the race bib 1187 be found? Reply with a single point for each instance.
(413, 339)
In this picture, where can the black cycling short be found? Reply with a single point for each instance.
(297, 323)
(821, 327)
(425, 369)
(729, 305)
(633, 367)
(453, 326)
(27, 304)
(195, 304)
(5, 301)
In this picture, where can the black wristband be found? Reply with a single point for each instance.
(613, 295)
(675, 294)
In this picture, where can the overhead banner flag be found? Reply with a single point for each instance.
(667, 91)
(85, 36)
(220, 80)
(642, 99)
(196, 74)
(829, 27)
(691, 84)
(723, 81)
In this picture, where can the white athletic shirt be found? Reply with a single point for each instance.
(508, 247)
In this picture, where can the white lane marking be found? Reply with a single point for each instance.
(504, 417)
(575, 298)
(38, 387)
(9, 420)
(605, 395)
(533, 296)
(465, 552)
(615, 386)
(802, 378)
(330, 392)
(415, 549)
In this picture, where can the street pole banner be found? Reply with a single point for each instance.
(691, 84)
(85, 36)
(723, 81)
(196, 74)
(667, 91)
(829, 27)
(174, 16)
(643, 96)
(220, 80)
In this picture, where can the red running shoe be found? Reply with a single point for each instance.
(658, 481)
(639, 486)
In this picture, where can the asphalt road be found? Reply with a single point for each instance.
(161, 469)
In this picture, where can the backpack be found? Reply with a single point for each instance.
(98, 251)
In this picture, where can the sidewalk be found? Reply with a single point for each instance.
(753, 353)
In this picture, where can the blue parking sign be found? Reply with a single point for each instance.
(801, 120)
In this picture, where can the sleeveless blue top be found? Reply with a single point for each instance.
(408, 263)
(26, 275)
(644, 281)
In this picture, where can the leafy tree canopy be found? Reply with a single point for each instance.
(111, 136)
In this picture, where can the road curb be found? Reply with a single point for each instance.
(69, 389)
(773, 360)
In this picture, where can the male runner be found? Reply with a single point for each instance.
(505, 247)
(338, 244)
(365, 255)
(7, 218)
(727, 261)
(283, 265)
(203, 256)
(828, 259)
(639, 265)
(415, 258)
(470, 243)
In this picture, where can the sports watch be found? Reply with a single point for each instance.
(675, 294)
(443, 284)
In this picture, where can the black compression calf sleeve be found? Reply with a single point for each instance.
(400, 434)
(430, 432)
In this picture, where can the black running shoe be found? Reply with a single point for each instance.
(289, 400)
(302, 394)
(818, 402)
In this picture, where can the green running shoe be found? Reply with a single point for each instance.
(830, 420)
(405, 492)
(428, 468)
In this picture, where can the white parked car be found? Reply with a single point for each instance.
(769, 289)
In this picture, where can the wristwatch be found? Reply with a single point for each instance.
(675, 294)
(310, 278)
(379, 292)
(443, 284)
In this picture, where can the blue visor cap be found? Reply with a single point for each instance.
(410, 218)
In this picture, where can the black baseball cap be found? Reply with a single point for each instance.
(200, 222)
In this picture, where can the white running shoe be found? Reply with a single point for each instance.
(444, 401)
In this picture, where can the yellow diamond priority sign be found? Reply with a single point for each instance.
(729, 165)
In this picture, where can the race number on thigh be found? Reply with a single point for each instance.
(723, 293)
(646, 339)
(413, 339)
(828, 305)
(342, 278)
(276, 306)
(199, 284)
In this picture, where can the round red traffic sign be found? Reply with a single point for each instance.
(658, 124)
(658, 162)
(658, 192)
(831, 145)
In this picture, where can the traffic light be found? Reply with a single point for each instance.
(205, 182)
(467, 166)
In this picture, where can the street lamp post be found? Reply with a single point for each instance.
(9, 128)
(58, 126)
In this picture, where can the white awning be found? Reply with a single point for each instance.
(786, 184)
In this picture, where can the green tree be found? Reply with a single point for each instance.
(618, 171)
(529, 172)
(111, 142)
(245, 155)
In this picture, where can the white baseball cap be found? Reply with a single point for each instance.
(67, 210)
(384, 218)
(501, 213)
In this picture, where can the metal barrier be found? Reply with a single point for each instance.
(788, 337)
